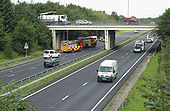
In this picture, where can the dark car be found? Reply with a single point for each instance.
(51, 62)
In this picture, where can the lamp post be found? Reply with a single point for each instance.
(128, 9)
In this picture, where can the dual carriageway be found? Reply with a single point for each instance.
(80, 91)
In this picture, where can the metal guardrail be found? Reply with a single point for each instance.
(19, 59)
(55, 67)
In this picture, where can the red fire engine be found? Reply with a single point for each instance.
(88, 41)
(131, 21)
(71, 46)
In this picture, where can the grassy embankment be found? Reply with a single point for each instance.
(135, 99)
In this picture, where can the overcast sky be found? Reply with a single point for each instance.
(138, 8)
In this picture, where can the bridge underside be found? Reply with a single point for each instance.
(58, 36)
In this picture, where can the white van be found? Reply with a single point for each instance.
(139, 46)
(107, 70)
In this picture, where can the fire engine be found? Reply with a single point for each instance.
(71, 46)
(88, 41)
(131, 21)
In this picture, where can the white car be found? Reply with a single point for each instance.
(83, 22)
(51, 53)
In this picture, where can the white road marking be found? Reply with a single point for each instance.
(65, 97)
(85, 83)
(33, 68)
(12, 75)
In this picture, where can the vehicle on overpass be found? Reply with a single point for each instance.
(149, 38)
(131, 20)
(51, 18)
(51, 53)
(139, 46)
(71, 46)
(51, 62)
(107, 70)
(88, 41)
(83, 22)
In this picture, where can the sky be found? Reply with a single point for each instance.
(137, 8)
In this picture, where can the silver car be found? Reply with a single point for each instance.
(83, 22)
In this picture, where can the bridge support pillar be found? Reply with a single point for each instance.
(54, 45)
(57, 37)
(58, 40)
(109, 39)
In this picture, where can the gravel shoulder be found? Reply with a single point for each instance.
(121, 95)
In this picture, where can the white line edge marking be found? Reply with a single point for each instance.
(65, 97)
(120, 79)
(73, 73)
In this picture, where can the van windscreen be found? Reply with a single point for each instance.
(105, 69)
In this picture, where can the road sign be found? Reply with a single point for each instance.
(25, 45)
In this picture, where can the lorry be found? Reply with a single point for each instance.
(149, 38)
(139, 46)
(107, 71)
(131, 20)
(71, 46)
(51, 18)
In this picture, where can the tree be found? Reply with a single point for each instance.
(24, 32)
(114, 14)
(7, 14)
(13, 102)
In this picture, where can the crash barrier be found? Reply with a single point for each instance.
(19, 59)
(27, 79)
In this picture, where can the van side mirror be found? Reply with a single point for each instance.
(97, 70)
(113, 71)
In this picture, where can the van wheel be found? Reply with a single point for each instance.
(98, 80)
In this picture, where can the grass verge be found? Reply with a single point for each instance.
(135, 97)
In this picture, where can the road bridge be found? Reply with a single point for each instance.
(59, 32)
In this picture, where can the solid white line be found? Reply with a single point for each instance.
(73, 73)
(120, 80)
(65, 97)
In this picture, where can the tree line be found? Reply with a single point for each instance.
(19, 23)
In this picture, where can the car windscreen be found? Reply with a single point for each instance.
(138, 46)
(46, 52)
(105, 69)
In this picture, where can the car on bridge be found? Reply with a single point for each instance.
(83, 22)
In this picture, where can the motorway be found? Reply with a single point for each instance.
(81, 91)
(28, 69)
